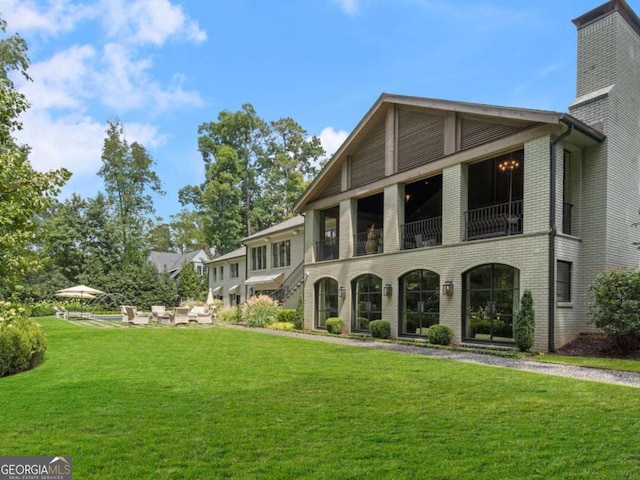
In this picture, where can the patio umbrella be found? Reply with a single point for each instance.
(81, 292)
(210, 297)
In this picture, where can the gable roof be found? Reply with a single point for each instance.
(292, 223)
(171, 262)
(237, 253)
(377, 114)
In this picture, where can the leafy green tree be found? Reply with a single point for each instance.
(24, 192)
(141, 285)
(190, 284)
(187, 231)
(254, 172)
(129, 178)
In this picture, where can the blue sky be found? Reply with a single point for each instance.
(163, 67)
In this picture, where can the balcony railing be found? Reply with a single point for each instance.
(368, 243)
(494, 221)
(567, 210)
(327, 249)
(423, 233)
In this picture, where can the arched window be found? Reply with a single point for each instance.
(491, 299)
(367, 301)
(419, 302)
(326, 290)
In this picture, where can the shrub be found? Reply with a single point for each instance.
(335, 325)
(22, 342)
(286, 315)
(616, 307)
(440, 334)
(380, 329)
(285, 326)
(298, 319)
(524, 323)
(229, 314)
(260, 311)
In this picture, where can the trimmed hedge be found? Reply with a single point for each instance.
(287, 315)
(380, 329)
(335, 325)
(440, 334)
(524, 323)
(22, 341)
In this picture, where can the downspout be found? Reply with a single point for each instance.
(553, 232)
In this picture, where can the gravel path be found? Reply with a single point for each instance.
(630, 379)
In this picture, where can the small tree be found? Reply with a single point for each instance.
(524, 323)
(616, 307)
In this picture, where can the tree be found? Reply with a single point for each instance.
(254, 172)
(524, 323)
(187, 231)
(190, 284)
(128, 177)
(24, 192)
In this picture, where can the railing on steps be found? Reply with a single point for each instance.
(289, 285)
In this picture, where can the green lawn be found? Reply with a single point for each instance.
(214, 403)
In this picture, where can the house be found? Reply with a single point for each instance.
(436, 211)
(227, 274)
(172, 262)
(270, 262)
(275, 262)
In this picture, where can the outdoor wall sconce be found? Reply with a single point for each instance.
(342, 292)
(387, 290)
(447, 288)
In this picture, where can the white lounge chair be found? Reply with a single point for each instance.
(158, 312)
(61, 312)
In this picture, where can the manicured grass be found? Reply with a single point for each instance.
(593, 362)
(215, 403)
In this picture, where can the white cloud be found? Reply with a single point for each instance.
(331, 140)
(144, 22)
(350, 7)
(50, 19)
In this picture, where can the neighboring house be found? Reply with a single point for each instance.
(172, 262)
(274, 259)
(437, 211)
(227, 274)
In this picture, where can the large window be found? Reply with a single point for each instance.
(281, 254)
(326, 301)
(420, 302)
(367, 301)
(563, 282)
(491, 299)
(234, 270)
(259, 258)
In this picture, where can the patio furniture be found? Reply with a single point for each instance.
(202, 315)
(158, 312)
(181, 315)
(135, 317)
(125, 315)
(61, 312)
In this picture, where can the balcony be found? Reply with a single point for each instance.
(422, 233)
(368, 243)
(327, 249)
(494, 221)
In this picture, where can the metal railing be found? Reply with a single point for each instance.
(290, 283)
(368, 243)
(423, 233)
(494, 221)
(327, 249)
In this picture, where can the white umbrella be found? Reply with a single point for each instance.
(75, 295)
(210, 297)
(79, 291)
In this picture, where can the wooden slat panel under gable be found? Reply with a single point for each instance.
(476, 131)
(367, 161)
(420, 139)
(333, 187)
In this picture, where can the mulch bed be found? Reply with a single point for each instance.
(596, 346)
